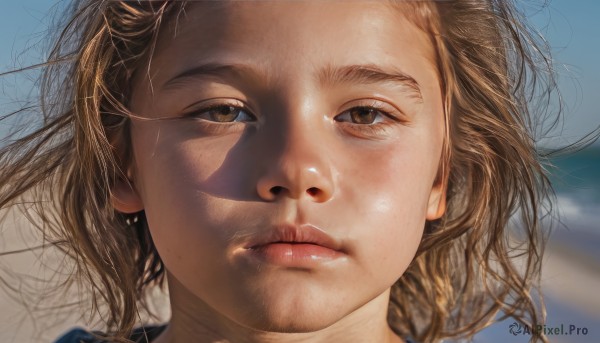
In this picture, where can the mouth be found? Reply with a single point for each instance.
(307, 234)
(300, 246)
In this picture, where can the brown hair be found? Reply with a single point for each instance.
(465, 271)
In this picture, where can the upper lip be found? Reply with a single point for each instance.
(292, 233)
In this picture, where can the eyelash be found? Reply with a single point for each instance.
(376, 127)
(370, 129)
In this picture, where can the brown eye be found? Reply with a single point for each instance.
(363, 115)
(223, 114)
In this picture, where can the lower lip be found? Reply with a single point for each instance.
(294, 254)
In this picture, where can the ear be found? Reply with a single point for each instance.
(125, 198)
(437, 201)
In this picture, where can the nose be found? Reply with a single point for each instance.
(298, 168)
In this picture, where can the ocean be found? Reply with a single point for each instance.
(571, 264)
(576, 180)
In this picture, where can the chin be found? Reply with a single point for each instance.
(294, 317)
(292, 322)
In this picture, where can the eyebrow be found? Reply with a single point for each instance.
(212, 69)
(329, 75)
(367, 74)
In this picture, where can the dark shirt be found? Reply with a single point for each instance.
(79, 335)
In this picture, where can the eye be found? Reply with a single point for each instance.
(222, 113)
(372, 119)
(363, 115)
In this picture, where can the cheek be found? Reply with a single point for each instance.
(173, 173)
(387, 198)
(177, 164)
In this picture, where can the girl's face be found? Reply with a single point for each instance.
(330, 114)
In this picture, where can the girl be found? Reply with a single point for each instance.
(293, 171)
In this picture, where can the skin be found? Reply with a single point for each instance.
(204, 185)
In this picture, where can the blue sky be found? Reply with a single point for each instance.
(571, 27)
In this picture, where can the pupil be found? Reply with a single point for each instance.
(363, 115)
(224, 112)
(225, 109)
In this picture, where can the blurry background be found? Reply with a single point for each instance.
(572, 264)
(571, 276)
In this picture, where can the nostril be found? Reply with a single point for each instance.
(276, 190)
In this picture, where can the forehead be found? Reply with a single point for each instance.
(293, 35)
(345, 25)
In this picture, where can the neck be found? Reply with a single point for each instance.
(193, 320)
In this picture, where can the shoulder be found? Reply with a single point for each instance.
(143, 334)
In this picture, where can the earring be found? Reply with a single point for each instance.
(132, 220)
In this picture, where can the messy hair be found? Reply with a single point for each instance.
(473, 264)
